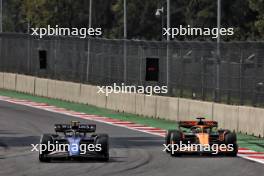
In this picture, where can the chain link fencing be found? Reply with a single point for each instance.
(189, 68)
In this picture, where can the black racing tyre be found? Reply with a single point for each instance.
(44, 140)
(230, 138)
(234, 152)
(168, 138)
(175, 139)
(103, 139)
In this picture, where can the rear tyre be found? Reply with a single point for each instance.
(103, 140)
(175, 140)
(230, 138)
(45, 139)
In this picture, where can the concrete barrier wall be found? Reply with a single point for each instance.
(25, 84)
(257, 123)
(226, 115)
(85, 94)
(167, 108)
(97, 99)
(251, 121)
(67, 91)
(1, 80)
(10, 81)
(173, 109)
(41, 87)
(115, 102)
(51, 88)
(219, 113)
(188, 109)
(150, 106)
(129, 103)
(140, 102)
(162, 107)
(184, 109)
(112, 102)
(61, 90)
(243, 119)
(200, 108)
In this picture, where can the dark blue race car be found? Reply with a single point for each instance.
(74, 140)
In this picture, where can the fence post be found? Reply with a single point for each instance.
(29, 54)
(182, 73)
(125, 61)
(203, 70)
(88, 60)
(241, 77)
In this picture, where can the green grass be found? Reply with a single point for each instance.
(247, 141)
(251, 142)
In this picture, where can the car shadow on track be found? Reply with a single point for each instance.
(7, 132)
(197, 155)
(23, 141)
(90, 160)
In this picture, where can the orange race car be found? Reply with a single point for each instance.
(200, 136)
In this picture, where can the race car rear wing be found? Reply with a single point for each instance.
(83, 128)
(189, 124)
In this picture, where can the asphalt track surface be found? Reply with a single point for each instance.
(132, 152)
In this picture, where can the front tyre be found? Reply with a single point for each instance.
(168, 139)
(175, 140)
(45, 139)
(230, 138)
(103, 140)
